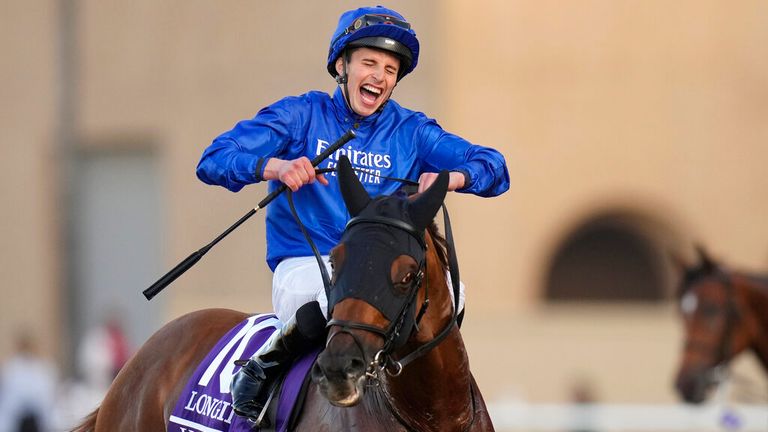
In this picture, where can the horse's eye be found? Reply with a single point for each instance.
(336, 261)
(404, 285)
(402, 274)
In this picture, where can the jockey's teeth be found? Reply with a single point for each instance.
(373, 91)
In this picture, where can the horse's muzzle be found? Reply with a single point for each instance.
(694, 385)
(339, 373)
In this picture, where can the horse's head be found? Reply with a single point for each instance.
(712, 307)
(378, 268)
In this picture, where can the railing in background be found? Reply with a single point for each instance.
(520, 416)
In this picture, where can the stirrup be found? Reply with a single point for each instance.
(263, 421)
(253, 405)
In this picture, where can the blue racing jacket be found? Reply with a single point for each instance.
(394, 142)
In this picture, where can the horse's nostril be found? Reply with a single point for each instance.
(317, 372)
(355, 368)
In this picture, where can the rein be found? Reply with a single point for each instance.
(383, 357)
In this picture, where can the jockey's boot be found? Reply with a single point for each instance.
(251, 385)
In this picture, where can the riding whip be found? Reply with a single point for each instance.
(195, 257)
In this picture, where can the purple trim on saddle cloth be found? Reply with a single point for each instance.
(205, 405)
(289, 392)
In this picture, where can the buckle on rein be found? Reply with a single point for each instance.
(379, 363)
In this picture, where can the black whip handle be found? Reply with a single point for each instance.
(191, 260)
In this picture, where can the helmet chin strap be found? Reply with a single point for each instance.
(343, 79)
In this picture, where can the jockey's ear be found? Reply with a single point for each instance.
(355, 196)
(424, 208)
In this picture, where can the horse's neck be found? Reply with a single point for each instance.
(434, 391)
(757, 301)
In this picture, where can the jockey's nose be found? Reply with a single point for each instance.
(378, 73)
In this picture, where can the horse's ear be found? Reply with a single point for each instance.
(425, 206)
(706, 263)
(353, 192)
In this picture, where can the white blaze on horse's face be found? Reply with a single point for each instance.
(689, 303)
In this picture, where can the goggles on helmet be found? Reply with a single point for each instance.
(373, 19)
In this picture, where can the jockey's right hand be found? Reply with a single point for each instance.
(293, 173)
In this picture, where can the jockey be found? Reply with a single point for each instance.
(372, 49)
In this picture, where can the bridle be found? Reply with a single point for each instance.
(719, 371)
(720, 375)
(393, 335)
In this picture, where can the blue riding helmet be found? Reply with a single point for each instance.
(375, 27)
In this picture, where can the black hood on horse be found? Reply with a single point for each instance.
(381, 230)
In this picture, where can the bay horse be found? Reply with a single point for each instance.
(385, 366)
(725, 313)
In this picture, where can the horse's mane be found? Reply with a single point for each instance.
(709, 268)
(441, 246)
(759, 279)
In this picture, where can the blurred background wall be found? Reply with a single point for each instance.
(631, 130)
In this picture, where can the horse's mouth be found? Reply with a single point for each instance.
(694, 388)
(345, 393)
(695, 397)
(351, 400)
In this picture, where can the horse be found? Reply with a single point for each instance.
(725, 313)
(384, 367)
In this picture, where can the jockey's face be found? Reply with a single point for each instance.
(372, 75)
